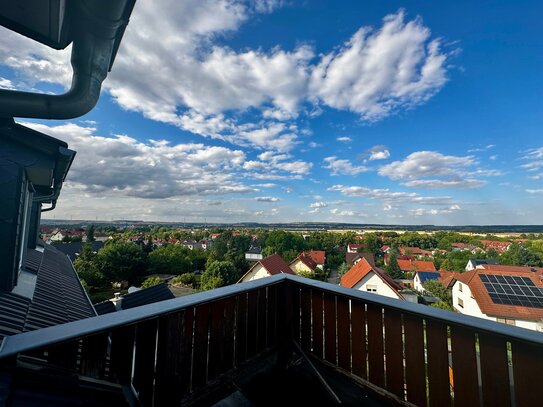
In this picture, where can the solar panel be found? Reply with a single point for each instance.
(512, 290)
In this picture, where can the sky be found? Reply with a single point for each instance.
(411, 112)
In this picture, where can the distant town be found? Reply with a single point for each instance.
(495, 275)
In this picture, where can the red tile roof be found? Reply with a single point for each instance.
(512, 269)
(414, 251)
(363, 268)
(496, 245)
(308, 261)
(488, 307)
(273, 264)
(351, 258)
(416, 265)
(318, 256)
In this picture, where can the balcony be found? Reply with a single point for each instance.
(254, 341)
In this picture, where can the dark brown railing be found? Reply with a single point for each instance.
(425, 356)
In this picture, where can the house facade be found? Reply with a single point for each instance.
(303, 264)
(365, 277)
(513, 298)
(267, 267)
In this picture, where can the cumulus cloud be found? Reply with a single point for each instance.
(122, 165)
(434, 170)
(267, 199)
(377, 72)
(378, 152)
(343, 167)
(388, 196)
(444, 211)
(173, 67)
(6, 84)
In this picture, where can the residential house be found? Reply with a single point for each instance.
(510, 297)
(422, 277)
(473, 263)
(497, 245)
(465, 247)
(254, 253)
(206, 244)
(365, 277)
(269, 266)
(303, 264)
(353, 258)
(353, 248)
(416, 265)
(511, 269)
(415, 252)
(318, 256)
(192, 244)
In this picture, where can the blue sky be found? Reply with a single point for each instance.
(410, 112)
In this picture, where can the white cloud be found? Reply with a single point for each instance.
(423, 211)
(6, 84)
(535, 191)
(379, 153)
(343, 167)
(173, 67)
(535, 159)
(388, 196)
(267, 199)
(440, 184)
(122, 166)
(344, 139)
(380, 71)
(312, 144)
(318, 205)
(266, 185)
(426, 164)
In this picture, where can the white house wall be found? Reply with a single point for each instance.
(382, 288)
(257, 272)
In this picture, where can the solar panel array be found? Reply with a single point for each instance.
(513, 290)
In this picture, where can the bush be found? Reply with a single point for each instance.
(183, 279)
(151, 281)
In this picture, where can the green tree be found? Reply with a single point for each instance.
(90, 234)
(218, 274)
(518, 255)
(438, 290)
(372, 244)
(343, 268)
(170, 259)
(151, 281)
(121, 261)
(86, 267)
(393, 268)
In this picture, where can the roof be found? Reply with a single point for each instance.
(273, 264)
(58, 295)
(477, 262)
(351, 258)
(149, 295)
(512, 269)
(318, 256)
(355, 246)
(480, 293)
(448, 278)
(105, 307)
(416, 265)
(254, 249)
(308, 261)
(363, 268)
(414, 251)
(73, 249)
(427, 275)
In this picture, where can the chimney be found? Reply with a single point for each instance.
(117, 300)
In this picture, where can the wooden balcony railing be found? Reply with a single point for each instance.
(416, 354)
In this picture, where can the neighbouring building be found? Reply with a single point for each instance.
(303, 264)
(254, 253)
(416, 265)
(353, 258)
(497, 245)
(473, 263)
(510, 297)
(269, 266)
(422, 277)
(149, 295)
(318, 256)
(414, 252)
(353, 248)
(365, 277)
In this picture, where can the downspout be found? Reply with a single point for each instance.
(95, 43)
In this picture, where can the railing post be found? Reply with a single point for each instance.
(284, 323)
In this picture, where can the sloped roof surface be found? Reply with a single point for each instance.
(361, 269)
(149, 295)
(428, 275)
(416, 265)
(58, 295)
(275, 264)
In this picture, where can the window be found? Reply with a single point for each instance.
(506, 321)
(371, 288)
(460, 303)
(460, 287)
